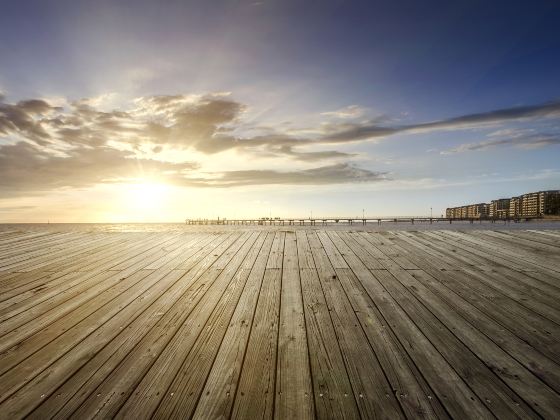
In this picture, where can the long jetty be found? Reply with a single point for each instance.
(324, 221)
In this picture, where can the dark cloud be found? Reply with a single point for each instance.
(349, 132)
(550, 109)
(195, 124)
(288, 150)
(342, 173)
(357, 132)
(25, 118)
(25, 168)
(534, 141)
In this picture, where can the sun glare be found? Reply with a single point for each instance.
(146, 199)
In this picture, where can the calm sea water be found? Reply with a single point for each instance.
(181, 227)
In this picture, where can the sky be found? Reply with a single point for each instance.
(158, 111)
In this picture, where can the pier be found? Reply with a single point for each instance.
(280, 323)
(325, 221)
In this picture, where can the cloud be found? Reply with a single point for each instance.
(82, 143)
(351, 111)
(25, 118)
(349, 132)
(288, 150)
(534, 141)
(12, 209)
(209, 124)
(204, 123)
(331, 174)
(25, 168)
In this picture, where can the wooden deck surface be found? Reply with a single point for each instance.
(280, 324)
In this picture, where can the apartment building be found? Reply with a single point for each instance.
(549, 203)
(530, 204)
(499, 209)
(535, 204)
(515, 207)
(477, 211)
(472, 211)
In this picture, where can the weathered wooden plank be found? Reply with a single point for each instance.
(555, 234)
(106, 257)
(294, 393)
(27, 261)
(73, 392)
(545, 243)
(31, 242)
(40, 316)
(534, 289)
(507, 368)
(255, 392)
(32, 250)
(395, 255)
(15, 283)
(163, 348)
(217, 397)
(372, 391)
(498, 282)
(12, 237)
(497, 254)
(17, 375)
(367, 249)
(61, 288)
(465, 324)
(535, 330)
(172, 385)
(415, 245)
(62, 253)
(518, 244)
(495, 281)
(25, 297)
(413, 393)
(331, 387)
(534, 361)
(305, 258)
(480, 374)
(465, 250)
(450, 388)
(276, 256)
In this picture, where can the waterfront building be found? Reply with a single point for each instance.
(534, 204)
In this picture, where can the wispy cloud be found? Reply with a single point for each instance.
(10, 209)
(332, 174)
(351, 111)
(532, 141)
(352, 132)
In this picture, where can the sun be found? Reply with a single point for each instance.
(146, 199)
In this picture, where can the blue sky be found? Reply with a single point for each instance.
(252, 107)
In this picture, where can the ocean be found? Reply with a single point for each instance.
(343, 226)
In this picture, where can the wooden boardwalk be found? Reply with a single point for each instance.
(280, 324)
